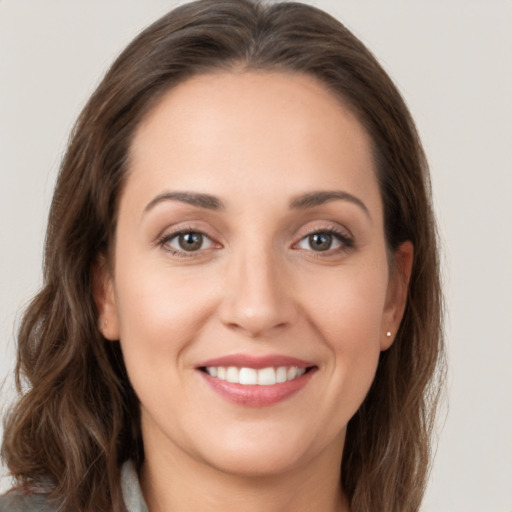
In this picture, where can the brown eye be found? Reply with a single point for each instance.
(323, 241)
(187, 241)
(320, 241)
(190, 241)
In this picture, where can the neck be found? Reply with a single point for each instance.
(179, 483)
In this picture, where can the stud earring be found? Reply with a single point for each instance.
(388, 334)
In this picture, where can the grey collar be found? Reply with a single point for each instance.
(130, 487)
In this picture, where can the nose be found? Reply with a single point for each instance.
(258, 299)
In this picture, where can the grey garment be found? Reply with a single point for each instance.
(130, 487)
(132, 495)
(22, 502)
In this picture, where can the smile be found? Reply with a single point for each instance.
(256, 381)
(251, 376)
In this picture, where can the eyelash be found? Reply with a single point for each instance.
(345, 240)
(165, 239)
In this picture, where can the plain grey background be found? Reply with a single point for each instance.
(451, 59)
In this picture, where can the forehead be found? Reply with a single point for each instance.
(254, 133)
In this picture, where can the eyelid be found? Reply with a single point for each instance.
(343, 235)
(335, 236)
(163, 240)
(205, 239)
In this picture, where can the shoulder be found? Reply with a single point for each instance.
(15, 501)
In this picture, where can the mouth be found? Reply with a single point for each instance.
(256, 381)
(255, 377)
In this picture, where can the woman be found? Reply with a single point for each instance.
(241, 305)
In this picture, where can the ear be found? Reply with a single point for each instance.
(396, 297)
(104, 297)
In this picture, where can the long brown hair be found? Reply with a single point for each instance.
(77, 418)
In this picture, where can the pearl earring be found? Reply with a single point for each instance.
(388, 334)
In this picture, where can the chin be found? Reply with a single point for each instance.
(265, 452)
(257, 461)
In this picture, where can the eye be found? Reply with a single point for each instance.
(326, 240)
(186, 241)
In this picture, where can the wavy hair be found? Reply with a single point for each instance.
(77, 417)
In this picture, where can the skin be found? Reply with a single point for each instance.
(255, 141)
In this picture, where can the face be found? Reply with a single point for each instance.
(251, 287)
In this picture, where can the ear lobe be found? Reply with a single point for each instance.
(104, 298)
(396, 298)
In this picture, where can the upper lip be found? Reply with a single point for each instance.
(256, 362)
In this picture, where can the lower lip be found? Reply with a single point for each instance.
(255, 395)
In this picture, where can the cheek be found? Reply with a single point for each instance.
(159, 314)
(346, 312)
(347, 306)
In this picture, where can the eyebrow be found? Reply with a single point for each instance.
(312, 199)
(301, 202)
(193, 198)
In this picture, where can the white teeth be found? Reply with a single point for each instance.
(266, 377)
(250, 376)
(291, 373)
(232, 374)
(281, 374)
